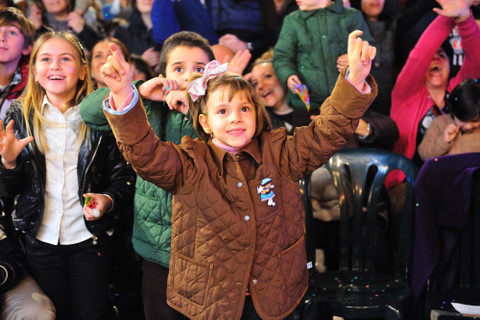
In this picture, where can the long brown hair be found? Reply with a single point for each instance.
(32, 97)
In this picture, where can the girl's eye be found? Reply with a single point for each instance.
(245, 109)
(45, 59)
(222, 111)
(254, 84)
(12, 33)
(178, 69)
(65, 59)
(268, 76)
(199, 69)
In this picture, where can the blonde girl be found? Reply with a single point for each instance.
(50, 161)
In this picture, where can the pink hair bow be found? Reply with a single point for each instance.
(198, 87)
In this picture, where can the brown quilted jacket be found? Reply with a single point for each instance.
(225, 239)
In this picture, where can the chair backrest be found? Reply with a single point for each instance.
(358, 176)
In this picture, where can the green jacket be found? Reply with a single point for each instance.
(310, 43)
(152, 205)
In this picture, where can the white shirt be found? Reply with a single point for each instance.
(62, 221)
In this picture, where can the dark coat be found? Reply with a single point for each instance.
(101, 169)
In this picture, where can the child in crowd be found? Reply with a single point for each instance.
(312, 47)
(237, 223)
(16, 32)
(50, 161)
(459, 131)
(183, 54)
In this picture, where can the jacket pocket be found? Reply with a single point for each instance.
(190, 278)
(293, 265)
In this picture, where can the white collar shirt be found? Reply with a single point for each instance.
(63, 221)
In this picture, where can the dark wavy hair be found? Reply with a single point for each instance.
(464, 101)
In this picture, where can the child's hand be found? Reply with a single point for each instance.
(342, 61)
(458, 9)
(239, 61)
(177, 100)
(10, 146)
(450, 133)
(157, 89)
(360, 56)
(101, 204)
(117, 76)
(292, 81)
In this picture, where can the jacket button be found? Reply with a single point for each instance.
(246, 218)
(239, 184)
(254, 281)
(238, 284)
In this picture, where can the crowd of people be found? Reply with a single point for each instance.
(184, 127)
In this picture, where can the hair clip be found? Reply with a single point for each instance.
(198, 87)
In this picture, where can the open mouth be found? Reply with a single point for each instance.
(56, 78)
(236, 131)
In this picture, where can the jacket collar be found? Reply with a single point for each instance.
(252, 149)
(335, 7)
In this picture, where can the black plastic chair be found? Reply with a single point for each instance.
(447, 236)
(356, 290)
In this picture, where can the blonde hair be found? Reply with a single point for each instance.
(231, 84)
(33, 95)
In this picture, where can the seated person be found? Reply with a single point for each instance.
(459, 131)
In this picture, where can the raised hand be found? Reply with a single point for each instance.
(117, 76)
(10, 145)
(360, 56)
(458, 9)
(239, 61)
(157, 88)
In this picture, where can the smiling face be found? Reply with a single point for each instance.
(58, 69)
(12, 45)
(267, 86)
(231, 123)
(439, 70)
(183, 62)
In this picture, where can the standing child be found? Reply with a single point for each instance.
(237, 223)
(459, 131)
(183, 54)
(50, 161)
(312, 48)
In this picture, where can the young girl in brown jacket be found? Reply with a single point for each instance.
(237, 223)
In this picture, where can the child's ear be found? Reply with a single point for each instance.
(204, 123)
(83, 74)
(27, 50)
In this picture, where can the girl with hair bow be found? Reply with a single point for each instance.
(238, 247)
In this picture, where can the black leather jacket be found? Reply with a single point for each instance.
(101, 169)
